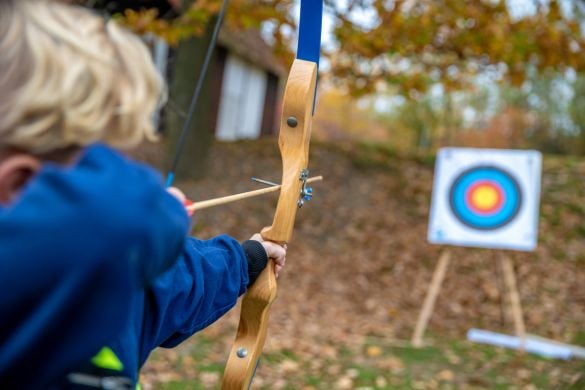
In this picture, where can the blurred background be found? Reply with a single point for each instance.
(398, 80)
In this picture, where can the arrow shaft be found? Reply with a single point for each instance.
(244, 195)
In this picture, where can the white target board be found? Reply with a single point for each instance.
(487, 198)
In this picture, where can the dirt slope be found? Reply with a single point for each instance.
(359, 263)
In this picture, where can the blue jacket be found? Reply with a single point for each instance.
(97, 255)
(203, 285)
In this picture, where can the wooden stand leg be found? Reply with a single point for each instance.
(512, 287)
(430, 299)
(501, 291)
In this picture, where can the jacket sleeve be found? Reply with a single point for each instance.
(202, 286)
(74, 248)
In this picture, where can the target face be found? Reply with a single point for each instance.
(486, 198)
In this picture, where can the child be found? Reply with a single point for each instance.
(96, 266)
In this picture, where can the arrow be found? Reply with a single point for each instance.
(204, 204)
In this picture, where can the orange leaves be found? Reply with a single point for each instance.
(191, 23)
(241, 15)
(141, 21)
(411, 44)
(435, 37)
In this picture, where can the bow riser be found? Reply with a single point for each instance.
(294, 147)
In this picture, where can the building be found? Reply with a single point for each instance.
(249, 102)
(246, 79)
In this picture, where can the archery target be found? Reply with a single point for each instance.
(486, 198)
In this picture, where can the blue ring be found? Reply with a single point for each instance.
(508, 211)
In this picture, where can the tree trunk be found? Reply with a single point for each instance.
(186, 69)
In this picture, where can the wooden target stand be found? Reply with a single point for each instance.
(507, 267)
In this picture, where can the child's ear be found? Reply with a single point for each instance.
(15, 171)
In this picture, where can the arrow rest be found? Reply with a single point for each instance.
(306, 191)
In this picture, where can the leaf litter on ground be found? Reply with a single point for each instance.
(358, 269)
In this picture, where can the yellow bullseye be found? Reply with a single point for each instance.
(485, 197)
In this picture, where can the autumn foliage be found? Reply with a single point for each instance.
(413, 44)
(402, 45)
(195, 17)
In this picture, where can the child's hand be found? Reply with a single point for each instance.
(177, 193)
(274, 251)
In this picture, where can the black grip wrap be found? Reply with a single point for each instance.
(257, 259)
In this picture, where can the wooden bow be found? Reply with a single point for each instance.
(295, 134)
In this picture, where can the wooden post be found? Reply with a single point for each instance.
(430, 299)
(501, 291)
(514, 296)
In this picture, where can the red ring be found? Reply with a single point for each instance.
(492, 210)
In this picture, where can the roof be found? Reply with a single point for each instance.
(249, 45)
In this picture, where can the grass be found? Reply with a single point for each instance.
(379, 364)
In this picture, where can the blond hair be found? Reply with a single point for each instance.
(70, 78)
